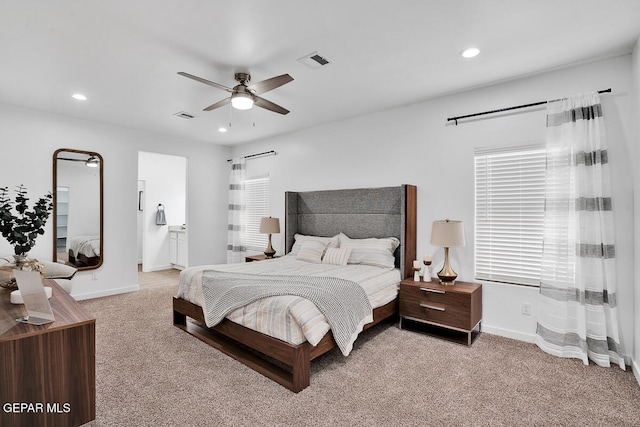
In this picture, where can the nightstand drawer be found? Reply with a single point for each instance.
(413, 305)
(456, 300)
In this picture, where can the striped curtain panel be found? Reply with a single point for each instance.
(236, 246)
(578, 316)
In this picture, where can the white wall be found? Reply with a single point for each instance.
(165, 179)
(29, 139)
(416, 145)
(635, 159)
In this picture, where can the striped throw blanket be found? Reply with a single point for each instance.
(344, 303)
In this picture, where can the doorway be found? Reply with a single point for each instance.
(162, 186)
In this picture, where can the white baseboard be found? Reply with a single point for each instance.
(507, 333)
(110, 292)
(635, 367)
(158, 268)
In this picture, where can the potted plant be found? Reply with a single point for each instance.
(20, 226)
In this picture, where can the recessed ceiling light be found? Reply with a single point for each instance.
(470, 52)
(222, 129)
(79, 97)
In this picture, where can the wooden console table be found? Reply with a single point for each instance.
(48, 372)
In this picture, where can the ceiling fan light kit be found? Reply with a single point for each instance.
(241, 101)
(244, 97)
(92, 162)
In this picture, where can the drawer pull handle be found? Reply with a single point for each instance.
(432, 307)
(435, 291)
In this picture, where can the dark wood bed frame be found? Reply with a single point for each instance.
(246, 345)
(82, 260)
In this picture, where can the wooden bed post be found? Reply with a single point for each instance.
(301, 368)
(410, 198)
(179, 318)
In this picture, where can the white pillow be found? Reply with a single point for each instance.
(372, 251)
(336, 256)
(56, 270)
(311, 251)
(331, 242)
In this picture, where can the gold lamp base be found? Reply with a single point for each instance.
(447, 276)
(269, 252)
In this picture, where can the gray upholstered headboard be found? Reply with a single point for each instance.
(358, 213)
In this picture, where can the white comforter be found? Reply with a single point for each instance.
(290, 318)
(85, 245)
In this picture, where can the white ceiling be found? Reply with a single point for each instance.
(125, 55)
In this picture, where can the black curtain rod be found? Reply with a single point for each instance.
(266, 153)
(508, 109)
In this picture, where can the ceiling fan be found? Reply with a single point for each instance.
(243, 97)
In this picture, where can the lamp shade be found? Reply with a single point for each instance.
(270, 225)
(447, 233)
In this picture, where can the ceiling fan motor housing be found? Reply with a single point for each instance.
(243, 78)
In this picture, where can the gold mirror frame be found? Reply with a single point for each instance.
(93, 263)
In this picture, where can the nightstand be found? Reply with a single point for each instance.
(260, 257)
(455, 311)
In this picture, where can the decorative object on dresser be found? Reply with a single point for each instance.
(416, 270)
(35, 298)
(449, 312)
(447, 234)
(269, 226)
(20, 262)
(62, 273)
(426, 277)
(20, 226)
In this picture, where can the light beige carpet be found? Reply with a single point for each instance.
(149, 373)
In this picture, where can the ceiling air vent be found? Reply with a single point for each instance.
(184, 115)
(314, 60)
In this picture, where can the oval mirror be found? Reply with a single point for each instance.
(77, 208)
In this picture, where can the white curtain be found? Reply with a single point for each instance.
(578, 312)
(236, 246)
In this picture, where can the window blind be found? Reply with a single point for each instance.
(509, 217)
(257, 207)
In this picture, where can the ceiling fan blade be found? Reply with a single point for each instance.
(270, 84)
(205, 81)
(263, 103)
(218, 104)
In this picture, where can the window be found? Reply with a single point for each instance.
(257, 207)
(510, 197)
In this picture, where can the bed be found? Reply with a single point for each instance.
(357, 213)
(84, 251)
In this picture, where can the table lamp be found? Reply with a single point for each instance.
(447, 234)
(269, 226)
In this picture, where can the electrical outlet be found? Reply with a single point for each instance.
(94, 276)
(526, 308)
